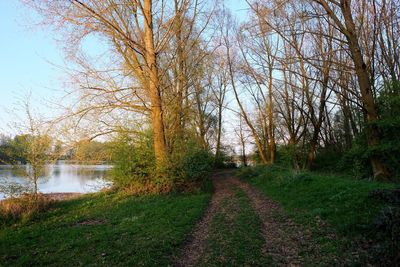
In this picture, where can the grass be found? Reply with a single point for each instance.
(235, 235)
(104, 230)
(322, 202)
(118, 230)
(21, 208)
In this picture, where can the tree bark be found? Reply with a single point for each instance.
(378, 167)
(271, 125)
(160, 148)
(180, 74)
(219, 133)
(317, 122)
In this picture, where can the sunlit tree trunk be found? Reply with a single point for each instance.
(160, 148)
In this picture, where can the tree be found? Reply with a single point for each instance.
(341, 14)
(147, 75)
(35, 146)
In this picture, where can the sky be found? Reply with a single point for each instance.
(31, 62)
(28, 59)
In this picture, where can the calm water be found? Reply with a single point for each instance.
(61, 177)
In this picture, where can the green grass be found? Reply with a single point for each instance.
(314, 199)
(235, 236)
(133, 231)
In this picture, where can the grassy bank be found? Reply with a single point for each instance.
(330, 205)
(104, 230)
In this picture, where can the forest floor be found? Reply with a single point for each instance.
(242, 227)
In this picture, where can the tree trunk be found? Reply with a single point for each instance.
(180, 76)
(244, 157)
(347, 122)
(160, 148)
(243, 143)
(243, 112)
(318, 123)
(378, 167)
(219, 133)
(271, 125)
(312, 148)
(202, 129)
(35, 178)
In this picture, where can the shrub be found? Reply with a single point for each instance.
(190, 165)
(274, 173)
(389, 128)
(134, 162)
(135, 170)
(196, 164)
(249, 172)
(290, 155)
(326, 160)
(223, 160)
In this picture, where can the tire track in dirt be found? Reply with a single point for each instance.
(195, 247)
(288, 243)
(284, 239)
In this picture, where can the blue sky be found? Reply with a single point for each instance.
(29, 57)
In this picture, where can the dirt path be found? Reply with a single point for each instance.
(284, 240)
(194, 249)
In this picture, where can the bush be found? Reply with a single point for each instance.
(196, 164)
(135, 170)
(223, 160)
(327, 160)
(134, 161)
(249, 172)
(189, 165)
(272, 173)
(389, 128)
(356, 161)
(290, 156)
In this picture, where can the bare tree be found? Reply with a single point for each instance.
(144, 40)
(342, 14)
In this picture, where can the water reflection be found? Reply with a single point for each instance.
(62, 177)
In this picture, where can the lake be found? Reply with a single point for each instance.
(61, 177)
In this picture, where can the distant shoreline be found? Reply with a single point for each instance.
(67, 162)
